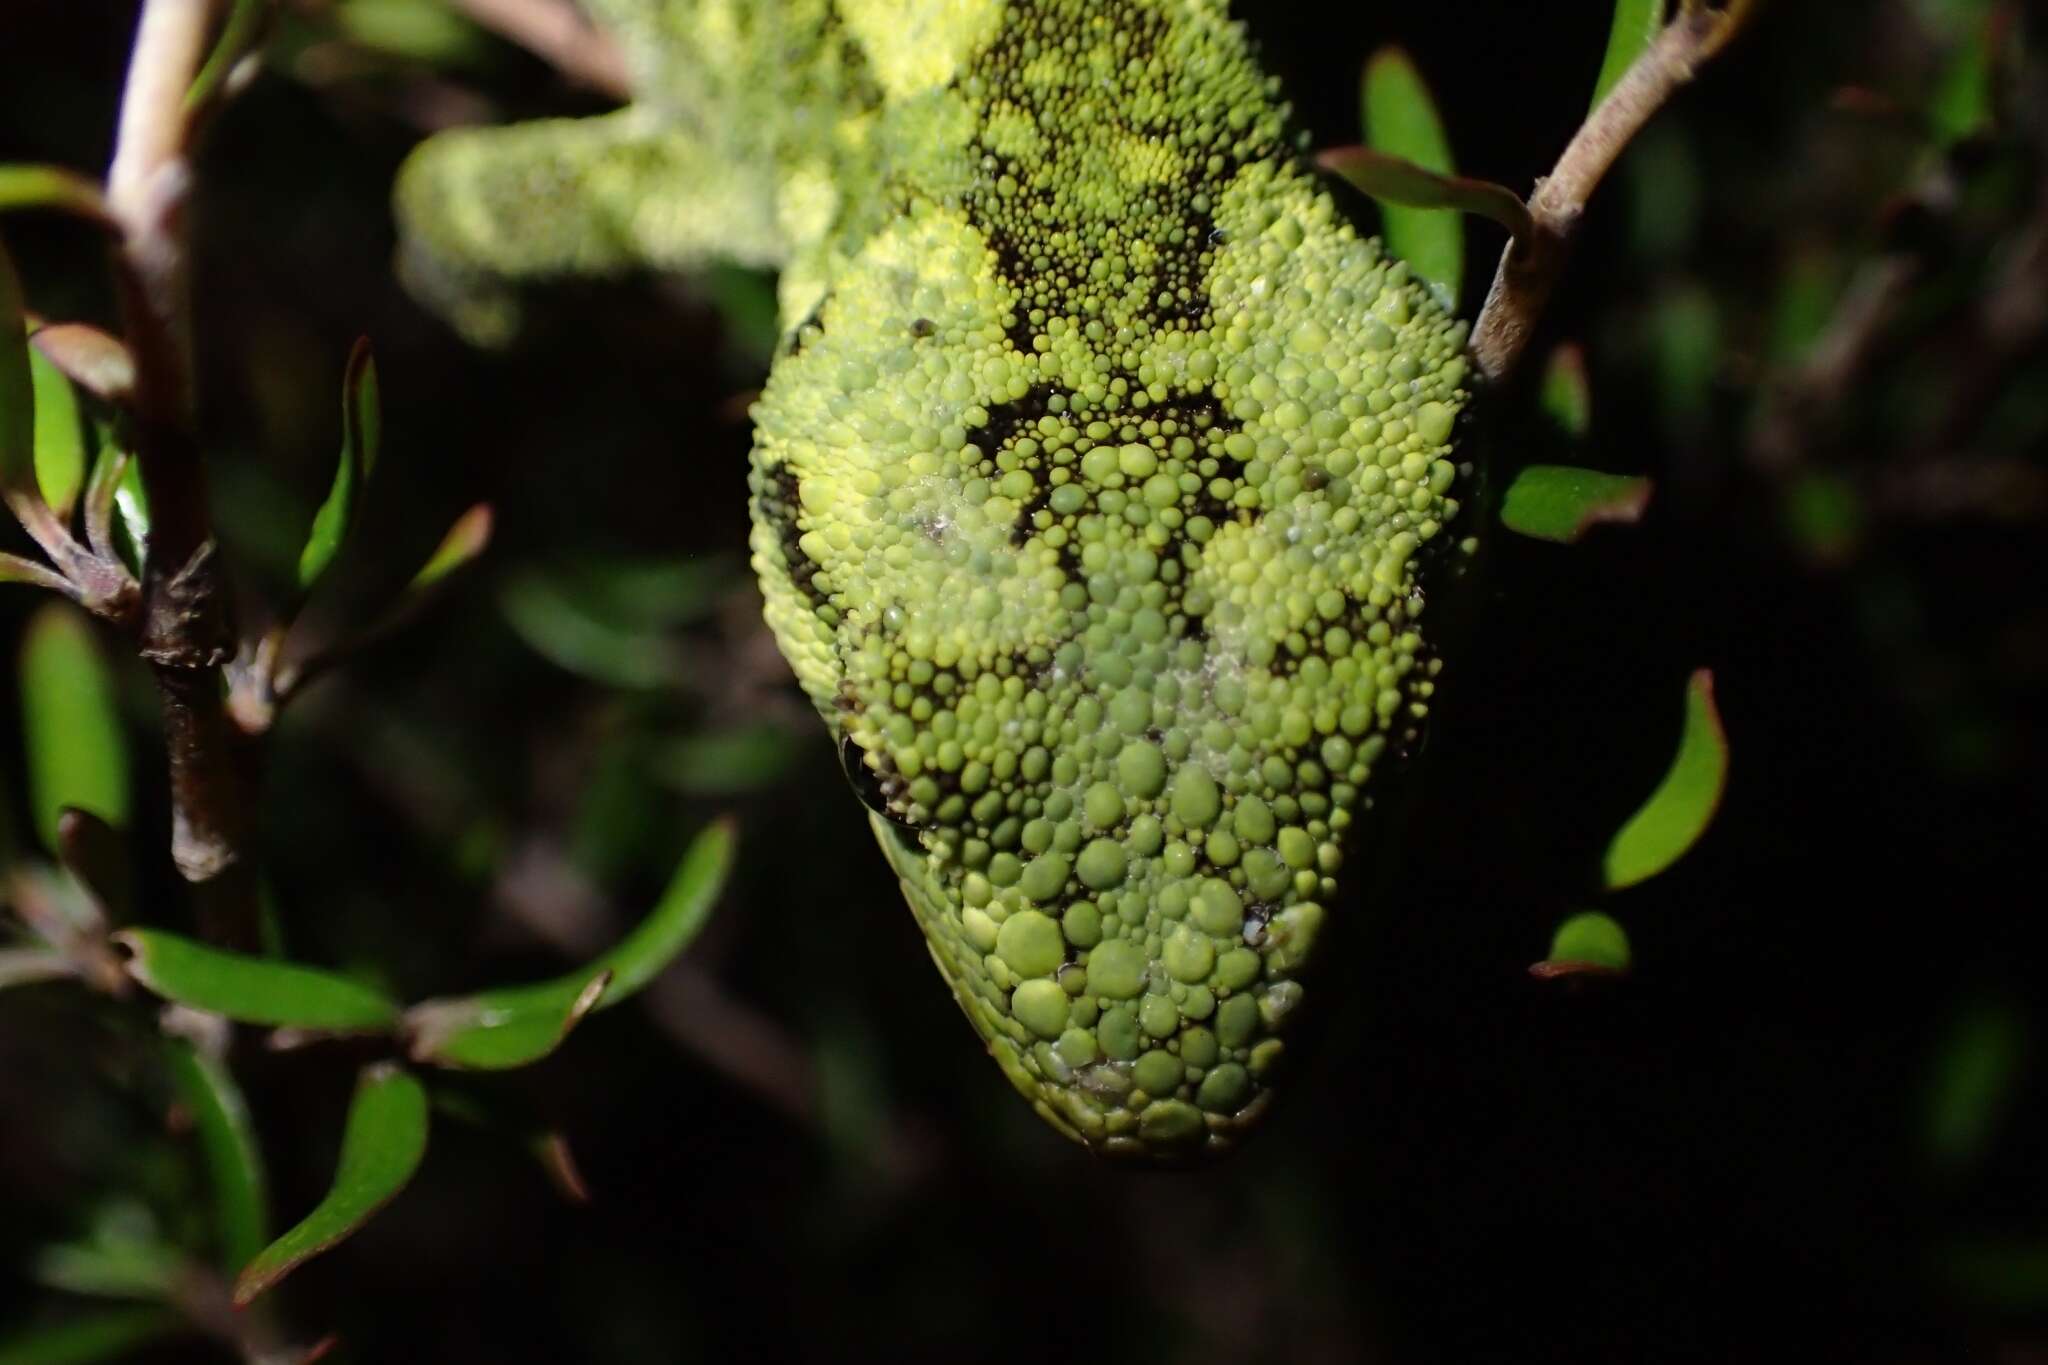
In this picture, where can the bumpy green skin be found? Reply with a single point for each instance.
(1093, 497)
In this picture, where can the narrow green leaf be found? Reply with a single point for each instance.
(17, 389)
(1588, 943)
(1964, 102)
(75, 749)
(361, 433)
(683, 910)
(1401, 120)
(50, 187)
(1393, 180)
(559, 624)
(1562, 502)
(243, 27)
(253, 990)
(721, 763)
(381, 1147)
(1682, 807)
(466, 539)
(108, 1334)
(516, 1025)
(227, 1141)
(1567, 397)
(498, 1030)
(59, 435)
(1636, 25)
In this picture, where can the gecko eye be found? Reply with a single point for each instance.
(872, 789)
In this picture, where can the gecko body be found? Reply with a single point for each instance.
(1096, 488)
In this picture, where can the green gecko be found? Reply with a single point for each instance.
(1097, 485)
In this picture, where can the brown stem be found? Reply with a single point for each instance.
(1530, 267)
(186, 624)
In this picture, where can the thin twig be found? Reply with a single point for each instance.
(1530, 267)
(186, 633)
(556, 33)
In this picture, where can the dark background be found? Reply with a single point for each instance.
(1763, 1144)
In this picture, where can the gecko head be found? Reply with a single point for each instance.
(1094, 504)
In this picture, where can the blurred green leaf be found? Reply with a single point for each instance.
(50, 187)
(1562, 502)
(745, 299)
(59, 435)
(1586, 942)
(1567, 396)
(724, 762)
(2006, 1274)
(1823, 515)
(1686, 339)
(17, 389)
(243, 27)
(466, 539)
(1400, 119)
(561, 626)
(1975, 1070)
(434, 34)
(381, 1147)
(498, 1030)
(75, 749)
(1636, 25)
(1682, 807)
(361, 434)
(1393, 180)
(253, 990)
(108, 1334)
(1963, 102)
(227, 1140)
(122, 1256)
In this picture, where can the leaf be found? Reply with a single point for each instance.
(381, 1147)
(1567, 397)
(683, 910)
(1562, 502)
(728, 761)
(122, 1256)
(243, 27)
(1588, 943)
(1976, 1071)
(96, 362)
(51, 187)
(1391, 179)
(501, 1029)
(1400, 119)
(1682, 807)
(108, 1334)
(227, 1140)
(59, 435)
(514, 1025)
(1636, 25)
(466, 539)
(253, 990)
(75, 749)
(17, 386)
(361, 433)
(558, 624)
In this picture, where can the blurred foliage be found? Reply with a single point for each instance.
(1810, 307)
